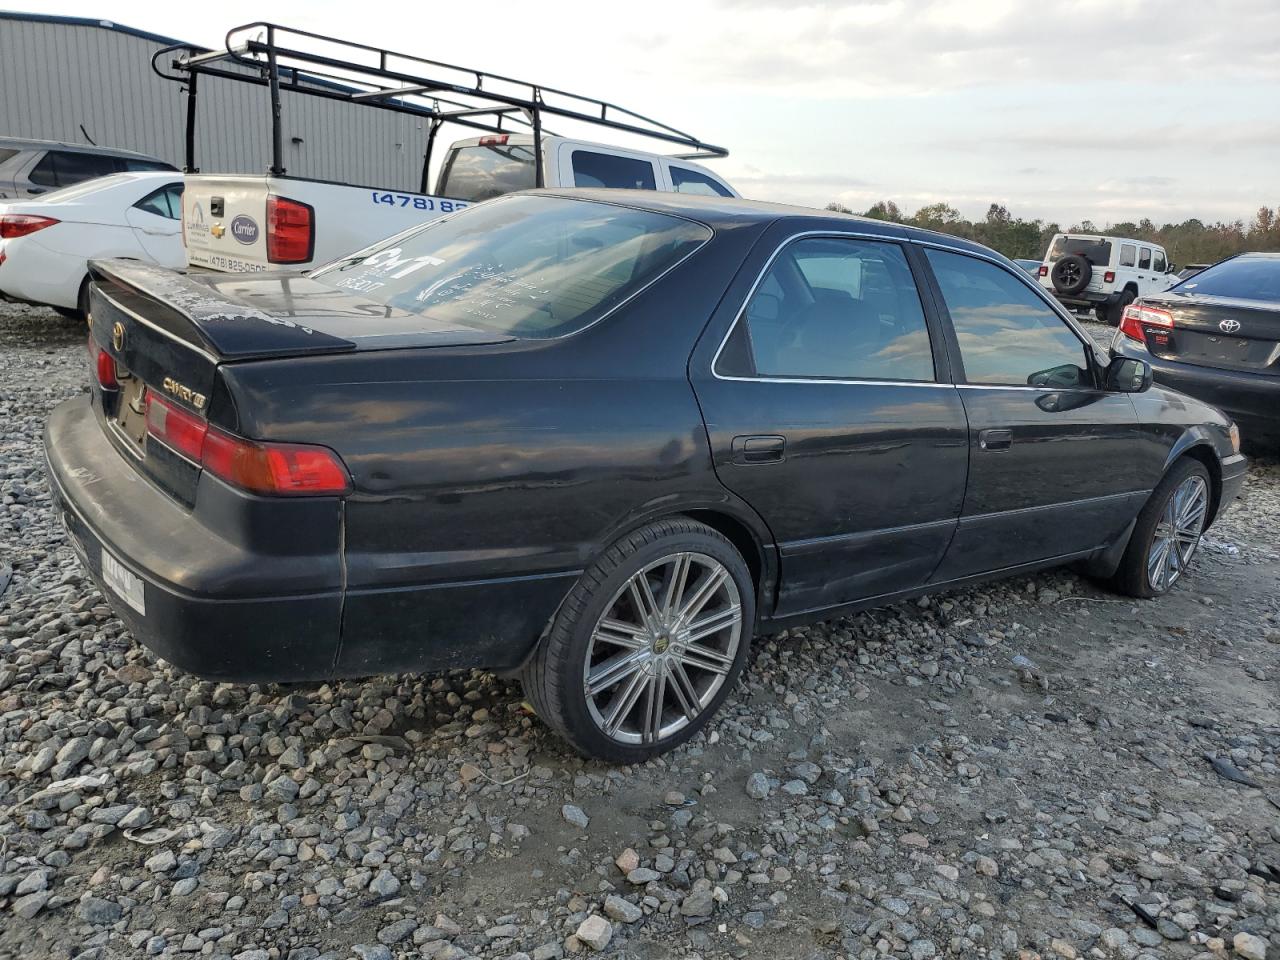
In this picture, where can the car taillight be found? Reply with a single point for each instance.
(14, 225)
(106, 370)
(290, 230)
(1109, 277)
(1137, 316)
(290, 469)
(1044, 270)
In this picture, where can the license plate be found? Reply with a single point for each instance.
(123, 583)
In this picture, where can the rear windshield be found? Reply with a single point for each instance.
(1097, 252)
(1244, 278)
(532, 267)
(484, 172)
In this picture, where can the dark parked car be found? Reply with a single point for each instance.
(1216, 336)
(603, 439)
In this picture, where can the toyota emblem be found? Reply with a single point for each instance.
(117, 335)
(1229, 325)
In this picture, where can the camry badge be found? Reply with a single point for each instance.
(1229, 325)
(117, 336)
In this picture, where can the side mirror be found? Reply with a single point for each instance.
(1128, 375)
(1173, 267)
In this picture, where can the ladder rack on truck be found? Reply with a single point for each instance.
(272, 55)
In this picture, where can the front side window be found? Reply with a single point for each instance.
(1008, 336)
(606, 170)
(1158, 262)
(1144, 259)
(531, 267)
(684, 180)
(1128, 254)
(837, 308)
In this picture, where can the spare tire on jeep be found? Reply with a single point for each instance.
(1071, 274)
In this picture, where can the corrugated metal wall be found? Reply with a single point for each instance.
(56, 76)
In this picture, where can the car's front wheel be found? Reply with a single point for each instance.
(1167, 533)
(648, 643)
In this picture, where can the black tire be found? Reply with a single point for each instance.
(553, 677)
(1116, 311)
(1132, 577)
(71, 313)
(1071, 274)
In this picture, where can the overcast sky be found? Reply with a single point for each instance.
(1102, 109)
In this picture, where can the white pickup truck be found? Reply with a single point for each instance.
(243, 223)
(239, 223)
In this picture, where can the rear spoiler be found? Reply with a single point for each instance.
(192, 309)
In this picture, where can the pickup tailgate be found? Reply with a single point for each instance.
(224, 222)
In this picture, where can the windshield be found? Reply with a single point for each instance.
(1097, 252)
(1242, 278)
(533, 267)
(484, 172)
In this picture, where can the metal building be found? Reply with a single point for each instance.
(80, 81)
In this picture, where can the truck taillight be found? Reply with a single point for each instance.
(1044, 271)
(291, 230)
(289, 469)
(14, 225)
(1109, 277)
(1137, 317)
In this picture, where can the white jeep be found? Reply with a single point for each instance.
(1105, 273)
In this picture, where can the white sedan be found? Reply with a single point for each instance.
(45, 244)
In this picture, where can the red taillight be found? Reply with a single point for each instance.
(1109, 277)
(1044, 271)
(496, 141)
(14, 225)
(268, 468)
(1137, 316)
(290, 230)
(107, 371)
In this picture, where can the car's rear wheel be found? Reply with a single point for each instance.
(1168, 531)
(1115, 312)
(648, 643)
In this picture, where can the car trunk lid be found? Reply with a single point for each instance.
(165, 335)
(1219, 332)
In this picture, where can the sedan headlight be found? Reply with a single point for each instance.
(1234, 433)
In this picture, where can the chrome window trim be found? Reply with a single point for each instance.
(841, 235)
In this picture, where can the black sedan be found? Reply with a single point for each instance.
(1216, 336)
(604, 438)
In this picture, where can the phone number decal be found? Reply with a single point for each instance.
(417, 203)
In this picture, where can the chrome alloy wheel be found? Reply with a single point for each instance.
(1177, 533)
(663, 648)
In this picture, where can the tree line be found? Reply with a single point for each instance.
(1192, 241)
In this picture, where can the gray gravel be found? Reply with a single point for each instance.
(1015, 771)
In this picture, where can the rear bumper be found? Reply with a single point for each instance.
(198, 614)
(239, 610)
(1252, 400)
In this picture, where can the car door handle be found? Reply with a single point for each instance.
(995, 439)
(749, 450)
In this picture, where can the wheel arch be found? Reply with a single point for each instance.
(1192, 445)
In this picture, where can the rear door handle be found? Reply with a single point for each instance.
(748, 450)
(995, 439)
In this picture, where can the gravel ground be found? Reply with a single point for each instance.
(1015, 771)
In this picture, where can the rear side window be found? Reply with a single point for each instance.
(1244, 278)
(1097, 252)
(45, 173)
(165, 202)
(836, 308)
(605, 170)
(529, 266)
(6, 153)
(1144, 259)
(1008, 336)
(685, 180)
(484, 172)
(62, 168)
(1128, 254)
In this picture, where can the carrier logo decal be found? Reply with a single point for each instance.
(244, 229)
